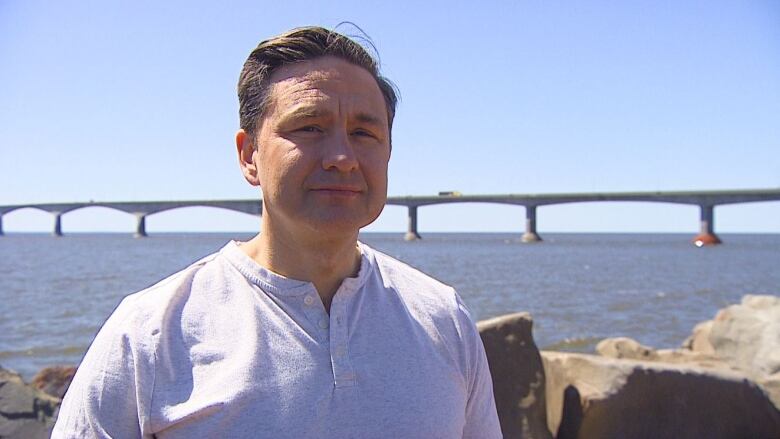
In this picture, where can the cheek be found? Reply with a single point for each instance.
(376, 167)
(281, 172)
(376, 178)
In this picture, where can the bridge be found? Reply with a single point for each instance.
(706, 200)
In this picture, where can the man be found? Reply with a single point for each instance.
(302, 332)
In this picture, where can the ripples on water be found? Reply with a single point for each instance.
(56, 292)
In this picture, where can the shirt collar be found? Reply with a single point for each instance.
(276, 283)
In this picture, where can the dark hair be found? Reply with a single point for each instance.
(298, 45)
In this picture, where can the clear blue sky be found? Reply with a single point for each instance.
(110, 100)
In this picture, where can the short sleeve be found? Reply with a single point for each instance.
(104, 399)
(481, 415)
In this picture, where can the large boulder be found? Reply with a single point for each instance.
(518, 375)
(589, 396)
(743, 337)
(25, 412)
(747, 335)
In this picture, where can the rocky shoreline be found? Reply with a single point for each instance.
(723, 382)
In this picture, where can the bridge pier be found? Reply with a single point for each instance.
(1, 225)
(57, 231)
(140, 225)
(411, 231)
(530, 234)
(707, 234)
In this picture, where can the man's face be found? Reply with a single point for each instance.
(323, 148)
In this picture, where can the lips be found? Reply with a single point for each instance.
(337, 194)
(338, 189)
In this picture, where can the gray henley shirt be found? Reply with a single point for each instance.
(226, 348)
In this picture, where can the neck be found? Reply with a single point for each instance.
(323, 261)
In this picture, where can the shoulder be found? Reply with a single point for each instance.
(148, 307)
(401, 274)
(421, 293)
(116, 378)
(434, 306)
(136, 325)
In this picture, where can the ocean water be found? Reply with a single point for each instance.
(55, 293)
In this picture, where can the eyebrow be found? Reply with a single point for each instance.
(369, 119)
(311, 112)
(302, 112)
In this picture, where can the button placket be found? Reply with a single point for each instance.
(315, 313)
(343, 374)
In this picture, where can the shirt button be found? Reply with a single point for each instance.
(308, 300)
(324, 324)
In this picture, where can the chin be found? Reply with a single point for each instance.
(334, 229)
(344, 224)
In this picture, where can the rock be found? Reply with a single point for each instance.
(630, 349)
(771, 385)
(747, 335)
(592, 397)
(624, 347)
(745, 338)
(25, 412)
(54, 380)
(518, 375)
(699, 341)
(700, 359)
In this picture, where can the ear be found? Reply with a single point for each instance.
(245, 145)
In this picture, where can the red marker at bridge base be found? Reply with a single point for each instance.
(706, 239)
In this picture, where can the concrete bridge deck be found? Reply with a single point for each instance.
(706, 200)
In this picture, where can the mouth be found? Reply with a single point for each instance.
(345, 191)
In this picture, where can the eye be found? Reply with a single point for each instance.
(363, 133)
(310, 129)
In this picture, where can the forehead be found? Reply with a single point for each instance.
(323, 81)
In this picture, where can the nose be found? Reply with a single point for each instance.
(339, 154)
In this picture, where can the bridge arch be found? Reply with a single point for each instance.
(202, 219)
(81, 207)
(97, 218)
(26, 219)
(749, 215)
(472, 216)
(18, 208)
(164, 209)
(624, 216)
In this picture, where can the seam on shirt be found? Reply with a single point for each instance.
(156, 345)
(461, 308)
